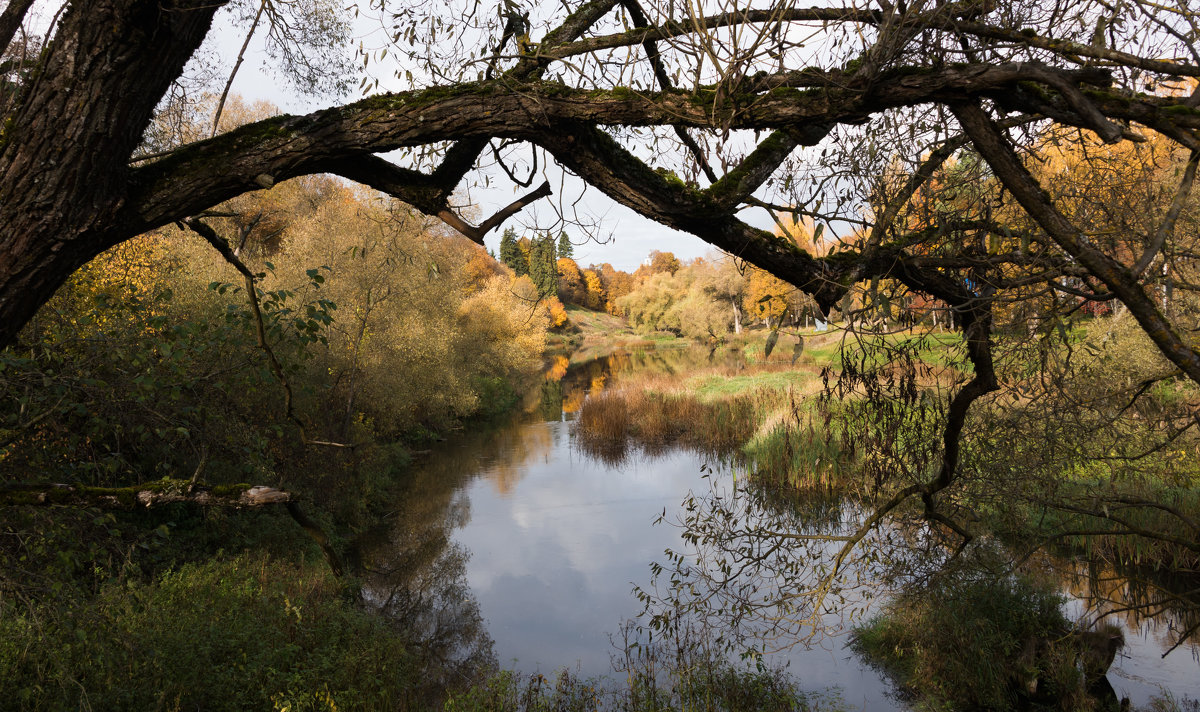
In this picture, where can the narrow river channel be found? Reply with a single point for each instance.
(516, 539)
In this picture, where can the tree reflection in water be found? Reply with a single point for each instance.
(761, 573)
(416, 576)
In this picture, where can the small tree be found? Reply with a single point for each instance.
(571, 286)
(596, 296)
(565, 248)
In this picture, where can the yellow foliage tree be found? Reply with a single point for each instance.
(571, 287)
(595, 296)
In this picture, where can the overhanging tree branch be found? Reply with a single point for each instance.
(11, 19)
(144, 496)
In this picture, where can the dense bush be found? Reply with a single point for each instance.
(977, 643)
(147, 365)
(228, 634)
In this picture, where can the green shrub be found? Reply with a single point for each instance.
(245, 633)
(976, 644)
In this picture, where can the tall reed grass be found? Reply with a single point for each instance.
(611, 421)
(797, 453)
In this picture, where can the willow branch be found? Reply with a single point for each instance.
(991, 144)
(236, 65)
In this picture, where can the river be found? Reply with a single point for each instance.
(514, 542)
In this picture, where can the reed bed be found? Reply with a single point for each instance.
(611, 421)
(761, 414)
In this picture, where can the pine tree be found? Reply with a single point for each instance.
(512, 255)
(565, 248)
(543, 269)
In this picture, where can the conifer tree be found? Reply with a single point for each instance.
(543, 269)
(512, 255)
(565, 248)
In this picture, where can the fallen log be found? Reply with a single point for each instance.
(144, 495)
(170, 491)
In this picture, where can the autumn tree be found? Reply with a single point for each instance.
(664, 262)
(571, 287)
(648, 305)
(725, 282)
(596, 297)
(616, 284)
(767, 298)
(694, 301)
(479, 269)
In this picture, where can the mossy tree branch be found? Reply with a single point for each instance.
(142, 496)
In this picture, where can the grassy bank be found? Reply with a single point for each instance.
(798, 431)
(231, 633)
(992, 644)
(767, 411)
(590, 332)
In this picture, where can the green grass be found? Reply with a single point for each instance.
(825, 348)
(595, 324)
(714, 387)
(793, 457)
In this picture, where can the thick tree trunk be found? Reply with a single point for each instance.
(65, 150)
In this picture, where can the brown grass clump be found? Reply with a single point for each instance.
(611, 421)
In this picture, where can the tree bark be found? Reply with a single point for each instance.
(64, 154)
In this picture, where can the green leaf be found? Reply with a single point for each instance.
(770, 345)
